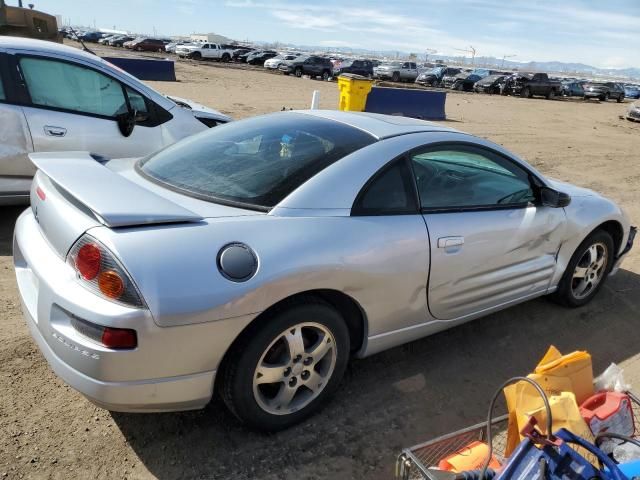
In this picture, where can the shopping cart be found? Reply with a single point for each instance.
(414, 462)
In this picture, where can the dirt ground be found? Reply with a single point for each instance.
(389, 401)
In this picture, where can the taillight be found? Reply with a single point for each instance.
(98, 270)
(116, 338)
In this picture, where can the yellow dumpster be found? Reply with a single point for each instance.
(353, 92)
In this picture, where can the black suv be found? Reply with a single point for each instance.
(313, 66)
(603, 91)
(357, 67)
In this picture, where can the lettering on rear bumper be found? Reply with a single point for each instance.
(75, 348)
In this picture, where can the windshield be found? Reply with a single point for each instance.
(255, 162)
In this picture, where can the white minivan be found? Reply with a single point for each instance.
(58, 98)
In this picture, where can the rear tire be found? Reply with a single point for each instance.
(583, 278)
(226, 58)
(620, 99)
(264, 365)
(551, 95)
(325, 75)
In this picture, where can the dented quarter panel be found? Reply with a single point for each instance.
(15, 144)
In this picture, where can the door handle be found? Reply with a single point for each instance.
(54, 131)
(446, 242)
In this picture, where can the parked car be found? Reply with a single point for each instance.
(572, 89)
(466, 80)
(450, 78)
(311, 65)
(357, 67)
(58, 98)
(535, 84)
(119, 41)
(434, 77)
(240, 52)
(128, 44)
(260, 56)
(491, 84)
(633, 112)
(106, 38)
(148, 45)
(397, 71)
(91, 36)
(209, 51)
(256, 258)
(275, 62)
(603, 91)
(632, 91)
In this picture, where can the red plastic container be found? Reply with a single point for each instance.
(609, 412)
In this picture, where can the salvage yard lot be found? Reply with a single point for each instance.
(394, 399)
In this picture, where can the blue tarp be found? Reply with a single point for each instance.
(146, 69)
(415, 103)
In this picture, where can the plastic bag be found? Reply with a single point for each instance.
(612, 380)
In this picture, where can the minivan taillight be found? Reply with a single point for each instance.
(97, 269)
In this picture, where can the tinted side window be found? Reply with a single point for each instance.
(389, 193)
(72, 87)
(2, 94)
(465, 177)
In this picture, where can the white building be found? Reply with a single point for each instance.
(209, 37)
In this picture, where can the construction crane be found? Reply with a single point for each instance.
(470, 50)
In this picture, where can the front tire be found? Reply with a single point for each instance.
(587, 270)
(395, 77)
(526, 92)
(298, 72)
(196, 56)
(284, 369)
(325, 75)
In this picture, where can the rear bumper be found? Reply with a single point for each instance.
(169, 370)
(186, 392)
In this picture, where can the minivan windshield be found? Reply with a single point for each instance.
(256, 162)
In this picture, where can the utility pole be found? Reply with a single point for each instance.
(429, 51)
(470, 50)
(503, 58)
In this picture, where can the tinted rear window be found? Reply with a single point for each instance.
(255, 162)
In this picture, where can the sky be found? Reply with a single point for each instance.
(601, 33)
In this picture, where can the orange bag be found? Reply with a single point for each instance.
(471, 457)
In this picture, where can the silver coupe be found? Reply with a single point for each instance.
(256, 258)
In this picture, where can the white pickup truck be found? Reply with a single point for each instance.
(203, 51)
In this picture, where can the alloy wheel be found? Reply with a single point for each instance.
(589, 271)
(295, 368)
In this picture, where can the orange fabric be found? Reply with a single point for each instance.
(471, 457)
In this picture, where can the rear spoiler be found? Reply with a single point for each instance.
(114, 200)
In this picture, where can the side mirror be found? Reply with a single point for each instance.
(553, 198)
(140, 117)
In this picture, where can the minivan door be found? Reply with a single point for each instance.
(73, 107)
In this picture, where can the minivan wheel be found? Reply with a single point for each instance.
(286, 368)
(587, 271)
(298, 72)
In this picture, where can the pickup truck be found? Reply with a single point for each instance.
(203, 51)
(397, 71)
(527, 85)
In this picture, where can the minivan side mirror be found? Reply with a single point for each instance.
(553, 198)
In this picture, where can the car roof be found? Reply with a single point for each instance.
(380, 126)
(19, 43)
